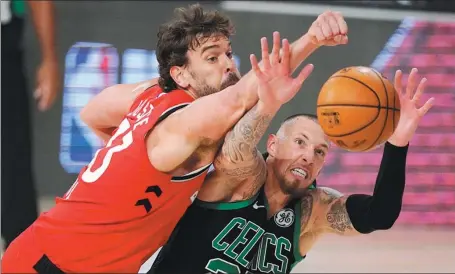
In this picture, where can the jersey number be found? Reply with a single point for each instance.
(220, 266)
(90, 175)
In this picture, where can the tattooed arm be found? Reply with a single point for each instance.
(239, 161)
(334, 215)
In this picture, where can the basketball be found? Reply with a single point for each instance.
(358, 108)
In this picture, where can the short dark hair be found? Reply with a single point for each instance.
(191, 27)
(307, 115)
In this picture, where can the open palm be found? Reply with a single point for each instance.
(410, 113)
(276, 84)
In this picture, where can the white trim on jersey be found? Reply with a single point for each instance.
(191, 175)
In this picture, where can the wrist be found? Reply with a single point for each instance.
(267, 109)
(398, 141)
(306, 44)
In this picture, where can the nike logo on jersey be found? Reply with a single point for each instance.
(193, 197)
(256, 206)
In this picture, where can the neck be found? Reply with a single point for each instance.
(191, 93)
(276, 198)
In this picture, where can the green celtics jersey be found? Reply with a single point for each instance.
(214, 238)
(233, 238)
(279, 248)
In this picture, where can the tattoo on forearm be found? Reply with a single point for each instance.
(338, 217)
(240, 143)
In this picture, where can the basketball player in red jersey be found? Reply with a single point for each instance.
(126, 202)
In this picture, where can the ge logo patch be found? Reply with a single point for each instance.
(285, 217)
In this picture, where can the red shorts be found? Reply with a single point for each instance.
(23, 255)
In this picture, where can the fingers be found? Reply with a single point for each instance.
(265, 53)
(412, 82)
(420, 88)
(325, 26)
(316, 31)
(342, 25)
(45, 101)
(397, 82)
(255, 67)
(335, 29)
(275, 58)
(285, 60)
(329, 26)
(303, 75)
(426, 107)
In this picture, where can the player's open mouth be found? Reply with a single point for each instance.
(300, 173)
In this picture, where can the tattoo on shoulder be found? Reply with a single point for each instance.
(306, 208)
(338, 217)
(329, 195)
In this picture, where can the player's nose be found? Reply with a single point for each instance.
(229, 64)
(307, 156)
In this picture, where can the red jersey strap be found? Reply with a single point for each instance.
(153, 106)
(150, 92)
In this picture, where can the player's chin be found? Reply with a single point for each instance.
(295, 184)
(230, 80)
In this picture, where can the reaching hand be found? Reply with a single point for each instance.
(276, 85)
(329, 29)
(410, 113)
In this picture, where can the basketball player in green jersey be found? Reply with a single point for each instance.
(263, 216)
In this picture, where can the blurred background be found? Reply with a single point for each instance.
(99, 44)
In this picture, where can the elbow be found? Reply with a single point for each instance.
(84, 115)
(385, 218)
(368, 214)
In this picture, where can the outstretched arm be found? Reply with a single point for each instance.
(359, 213)
(329, 29)
(239, 161)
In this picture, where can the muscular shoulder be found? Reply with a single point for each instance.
(315, 203)
(327, 193)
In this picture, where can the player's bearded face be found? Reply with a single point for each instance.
(211, 66)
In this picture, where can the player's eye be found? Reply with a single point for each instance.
(320, 152)
(229, 54)
(212, 59)
(299, 141)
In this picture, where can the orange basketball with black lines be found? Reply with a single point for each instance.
(358, 108)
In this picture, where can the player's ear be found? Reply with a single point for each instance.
(178, 75)
(271, 145)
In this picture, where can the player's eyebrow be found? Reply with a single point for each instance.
(209, 47)
(322, 145)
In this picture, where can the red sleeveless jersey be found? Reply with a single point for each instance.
(121, 209)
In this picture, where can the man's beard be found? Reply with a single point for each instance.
(231, 80)
(205, 89)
